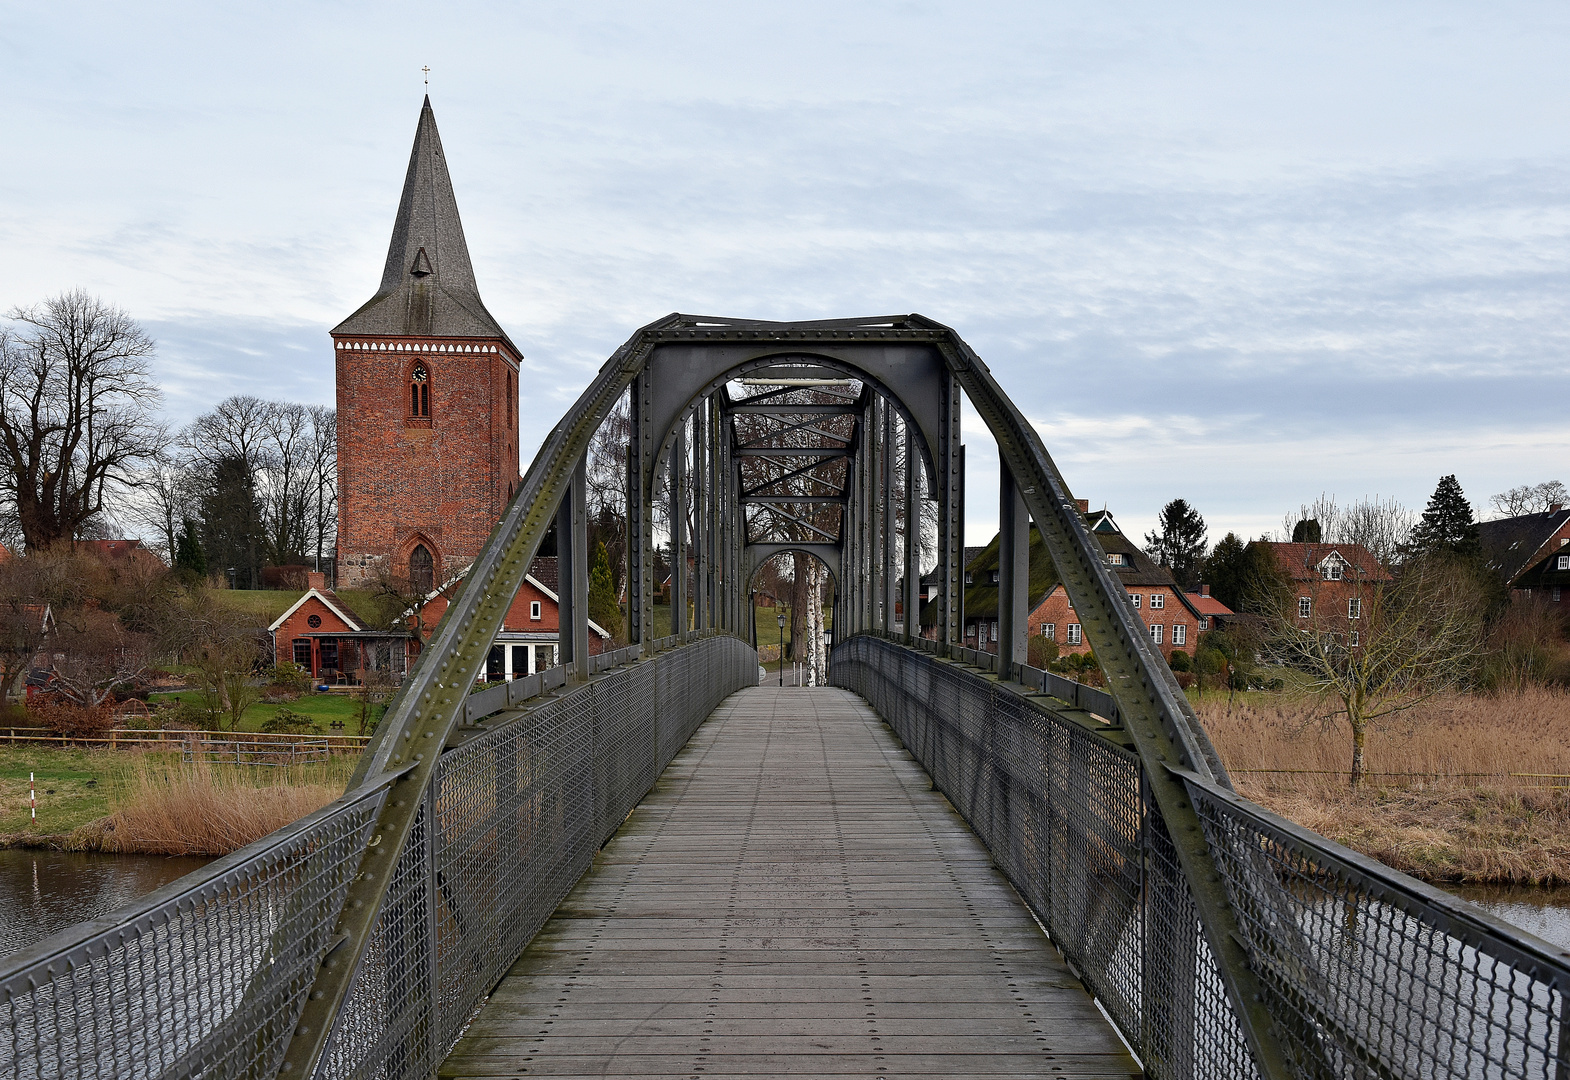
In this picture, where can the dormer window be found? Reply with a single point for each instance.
(994, 577)
(1117, 559)
(420, 392)
(1332, 568)
(1563, 562)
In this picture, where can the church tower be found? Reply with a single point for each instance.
(427, 397)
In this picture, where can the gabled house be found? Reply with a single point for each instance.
(1530, 553)
(1329, 582)
(324, 636)
(1172, 618)
(529, 640)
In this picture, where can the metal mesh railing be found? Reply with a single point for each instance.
(207, 977)
(512, 819)
(1369, 973)
(203, 977)
(1373, 974)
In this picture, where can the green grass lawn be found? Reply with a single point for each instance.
(321, 708)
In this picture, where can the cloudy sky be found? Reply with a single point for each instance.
(1241, 254)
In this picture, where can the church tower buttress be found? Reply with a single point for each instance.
(427, 398)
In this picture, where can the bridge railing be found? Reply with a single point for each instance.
(207, 976)
(1366, 971)
(510, 822)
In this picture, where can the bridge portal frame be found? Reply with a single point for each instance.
(672, 366)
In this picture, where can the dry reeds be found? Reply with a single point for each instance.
(1462, 789)
(1456, 736)
(199, 808)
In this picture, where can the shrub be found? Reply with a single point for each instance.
(1178, 661)
(289, 722)
(289, 678)
(1040, 652)
(75, 720)
(1185, 679)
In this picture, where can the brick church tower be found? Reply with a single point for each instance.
(427, 397)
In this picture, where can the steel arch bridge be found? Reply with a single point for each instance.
(1218, 939)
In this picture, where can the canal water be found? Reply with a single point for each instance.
(43, 892)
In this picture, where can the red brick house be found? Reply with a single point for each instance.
(1213, 614)
(321, 634)
(1171, 616)
(1329, 582)
(427, 397)
(530, 635)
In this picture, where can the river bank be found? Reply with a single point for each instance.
(1464, 790)
(151, 802)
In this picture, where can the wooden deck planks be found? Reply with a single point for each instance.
(792, 899)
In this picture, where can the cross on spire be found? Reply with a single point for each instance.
(427, 70)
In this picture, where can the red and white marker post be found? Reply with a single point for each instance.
(32, 797)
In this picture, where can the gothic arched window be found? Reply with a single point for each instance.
(421, 569)
(420, 396)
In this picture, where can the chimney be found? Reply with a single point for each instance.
(1083, 504)
(1554, 509)
(315, 579)
(1204, 590)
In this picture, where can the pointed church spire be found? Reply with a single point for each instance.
(428, 285)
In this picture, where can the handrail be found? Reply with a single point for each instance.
(1363, 970)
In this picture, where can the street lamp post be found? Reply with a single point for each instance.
(780, 616)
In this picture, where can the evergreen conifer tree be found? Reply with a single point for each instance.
(189, 559)
(1227, 571)
(603, 608)
(1447, 526)
(1179, 545)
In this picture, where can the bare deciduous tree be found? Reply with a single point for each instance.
(1530, 499)
(1376, 645)
(1381, 526)
(77, 413)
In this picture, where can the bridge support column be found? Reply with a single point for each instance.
(886, 459)
(700, 516)
(678, 485)
(1013, 574)
(912, 599)
(951, 520)
(640, 514)
(572, 579)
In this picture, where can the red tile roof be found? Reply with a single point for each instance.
(1302, 561)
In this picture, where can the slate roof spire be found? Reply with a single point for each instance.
(428, 286)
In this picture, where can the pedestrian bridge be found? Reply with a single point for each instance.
(642, 863)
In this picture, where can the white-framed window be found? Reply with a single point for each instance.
(969, 578)
(1331, 568)
(994, 631)
(1049, 631)
(1204, 622)
(994, 577)
(1563, 562)
(1137, 598)
(1073, 633)
(1354, 639)
(1155, 633)
(970, 631)
(534, 610)
(1116, 558)
(1180, 633)
(1354, 608)
(1158, 601)
(1305, 607)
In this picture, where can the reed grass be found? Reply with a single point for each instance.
(1466, 788)
(201, 808)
